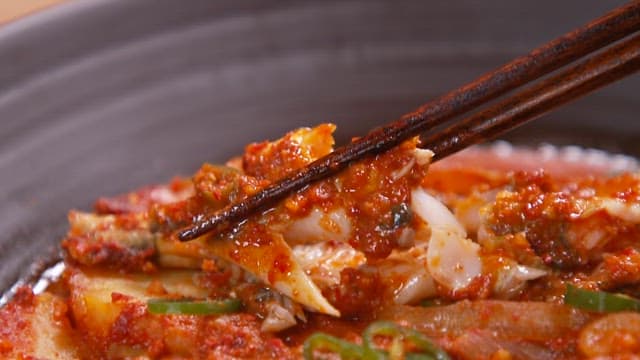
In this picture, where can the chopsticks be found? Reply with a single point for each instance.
(614, 63)
(577, 80)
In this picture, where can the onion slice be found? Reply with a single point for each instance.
(533, 321)
(452, 259)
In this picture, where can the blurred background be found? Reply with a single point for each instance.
(15, 9)
(98, 97)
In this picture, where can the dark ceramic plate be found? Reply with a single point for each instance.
(99, 97)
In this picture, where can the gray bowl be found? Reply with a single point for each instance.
(99, 97)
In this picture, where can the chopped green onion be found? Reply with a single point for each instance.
(427, 350)
(368, 350)
(321, 341)
(599, 301)
(182, 307)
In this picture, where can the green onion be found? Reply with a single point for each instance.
(182, 307)
(427, 350)
(599, 301)
(368, 350)
(321, 341)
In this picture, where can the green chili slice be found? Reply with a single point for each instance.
(426, 350)
(599, 301)
(322, 341)
(186, 307)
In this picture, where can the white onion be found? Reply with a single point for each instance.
(629, 212)
(434, 212)
(512, 278)
(319, 226)
(406, 273)
(417, 286)
(324, 261)
(452, 259)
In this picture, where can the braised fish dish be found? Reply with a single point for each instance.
(495, 253)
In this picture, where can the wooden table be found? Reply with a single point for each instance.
(14, 9)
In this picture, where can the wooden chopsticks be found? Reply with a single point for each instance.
(577, 80)
(610, 65)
